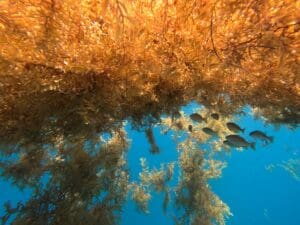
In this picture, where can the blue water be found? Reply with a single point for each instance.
(254, 194)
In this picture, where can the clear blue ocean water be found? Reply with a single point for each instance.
(254, 184)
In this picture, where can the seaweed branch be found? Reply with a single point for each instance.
(211, 34)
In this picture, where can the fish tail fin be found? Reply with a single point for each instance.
(252, 145)
(271, 138)
(243, 130)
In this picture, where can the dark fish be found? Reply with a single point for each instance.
(190, 127)
(197, 118)
(189, 169)
(234, 127)
(226, 142)
(288, 118)
(262, 136)
(179, 125)
(209, 131)
(237, 141)
(176, 115)
(215, 116)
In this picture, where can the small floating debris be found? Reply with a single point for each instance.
(270, 167)
(238, 142)
(261, 136)
(234, 127)
(197, 118)
(215, 116)
(209, 131)
(266, 213)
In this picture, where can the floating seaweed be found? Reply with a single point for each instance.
(150, 137)
(193, 193)
(141, 197)
(71, 73)
(292, 166)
